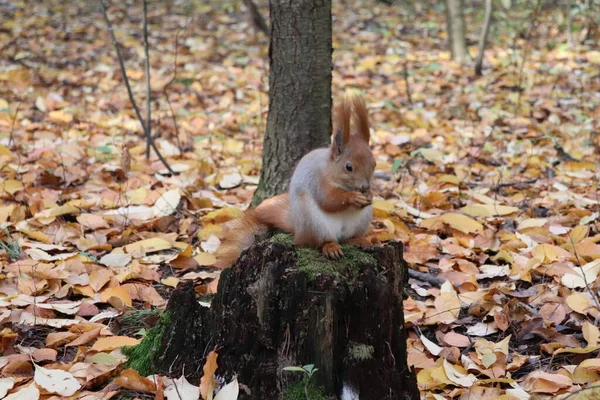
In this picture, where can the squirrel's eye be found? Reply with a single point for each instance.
(348, 167)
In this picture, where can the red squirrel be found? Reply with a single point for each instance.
(329, 199)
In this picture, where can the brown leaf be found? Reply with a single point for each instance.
(132, 380)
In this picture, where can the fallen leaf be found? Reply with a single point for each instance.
(56, 381)
(207, 382)
(114, 342)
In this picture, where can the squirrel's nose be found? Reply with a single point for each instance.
(365, 187)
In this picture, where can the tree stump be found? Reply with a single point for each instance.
(280, 306)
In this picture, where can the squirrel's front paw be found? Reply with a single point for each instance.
(332, 250)
(359, 200)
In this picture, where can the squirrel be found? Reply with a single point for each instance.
(329, 198)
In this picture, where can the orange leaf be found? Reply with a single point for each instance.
(207, 383)
(131, 379)
(114, 342)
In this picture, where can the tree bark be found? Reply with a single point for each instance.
(279, 306)
(299, 118)
(484, 35)
(455, 23)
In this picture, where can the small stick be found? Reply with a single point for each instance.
(128, 87)
(148, 103)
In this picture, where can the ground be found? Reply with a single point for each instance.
(491, 182)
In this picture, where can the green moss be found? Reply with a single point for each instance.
(348, 268)
(360, 351)
(314, 263)
(296, 392)
(282, 237)
(141, 357)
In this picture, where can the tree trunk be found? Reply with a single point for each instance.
(484, 35)
(300, 63)
(455, 22)
(279, 306)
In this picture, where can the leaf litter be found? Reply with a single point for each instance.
(491, 184)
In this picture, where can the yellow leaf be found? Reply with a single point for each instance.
(137, 196)
(60, 116)
(578, 302)
(205, 259)
(116, 292)
(449, 179)
(5, 212)
(148, 246)
(488, 210)
(590, 333)
(456, 221)
(111, 343)
(58, 211)
(208, 230)
(222, 215)
(578, 233)
(548, 253)
(4, 151)
(383, 205)
(11, 186)
(382, 208)
(430, 154)
(577, 350)
(170, 281)
(532, 223)
(587, 372)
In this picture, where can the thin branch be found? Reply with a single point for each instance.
(425, 277)
(148, 102)
(257, 18)
(128, 87)
(166, 87)
(484, 35)
(534, 16)
(11, 137)
(569, 24)
(405, 76)
(517, 183)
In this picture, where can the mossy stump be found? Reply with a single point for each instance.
(280, 306)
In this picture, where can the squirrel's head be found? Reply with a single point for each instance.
(352, 162)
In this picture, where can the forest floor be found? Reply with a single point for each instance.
(491, 182)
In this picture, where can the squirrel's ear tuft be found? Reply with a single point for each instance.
(341, 127)
(360, 118)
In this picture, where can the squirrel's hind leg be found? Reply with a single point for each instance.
(332, 250)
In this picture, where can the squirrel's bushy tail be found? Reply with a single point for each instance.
(240, 234)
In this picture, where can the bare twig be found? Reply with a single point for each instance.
(257, 18)
(429, 278)
(405, 75)
(484, 35)
(11, 137)
(165, 89)
(517, 183)
(534, 16)
(569, 23)
(128, 87)
(592, 389)
(148, 103)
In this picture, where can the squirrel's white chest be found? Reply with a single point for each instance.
(338, 226)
